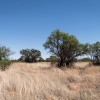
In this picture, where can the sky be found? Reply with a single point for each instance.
(28, 23)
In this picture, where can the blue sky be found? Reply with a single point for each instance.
(28, 23)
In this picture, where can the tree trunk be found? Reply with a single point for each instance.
(69, 62)
(61, 63)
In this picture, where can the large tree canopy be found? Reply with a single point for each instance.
(5, 52)
(64, 46)
(30, 55)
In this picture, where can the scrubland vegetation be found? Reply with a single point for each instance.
(62, 77)
(64, 48)
(41, 81)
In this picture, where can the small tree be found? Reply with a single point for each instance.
(30, 55)
(95, 53)
(66, 47)
(5, 52)
(4, 56)
(53, 59)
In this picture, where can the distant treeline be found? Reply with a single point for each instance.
(64, 49)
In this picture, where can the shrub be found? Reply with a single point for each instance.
(4, 64)
(85, 60)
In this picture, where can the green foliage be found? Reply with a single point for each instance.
(64, 46)
(47, 60)
(30, 55)
(95, 53)
(85, 60)
(53, 59)
(5, 52)
(4, 64)
(41, 59)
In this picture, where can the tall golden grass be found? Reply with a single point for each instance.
(41, 81)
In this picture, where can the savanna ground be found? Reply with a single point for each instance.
(41, 81)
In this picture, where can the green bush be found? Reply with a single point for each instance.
(4, 64)
(85, 60)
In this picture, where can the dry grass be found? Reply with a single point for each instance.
(41, 81)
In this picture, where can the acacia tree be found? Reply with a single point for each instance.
(30, 55)
(66, 47)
